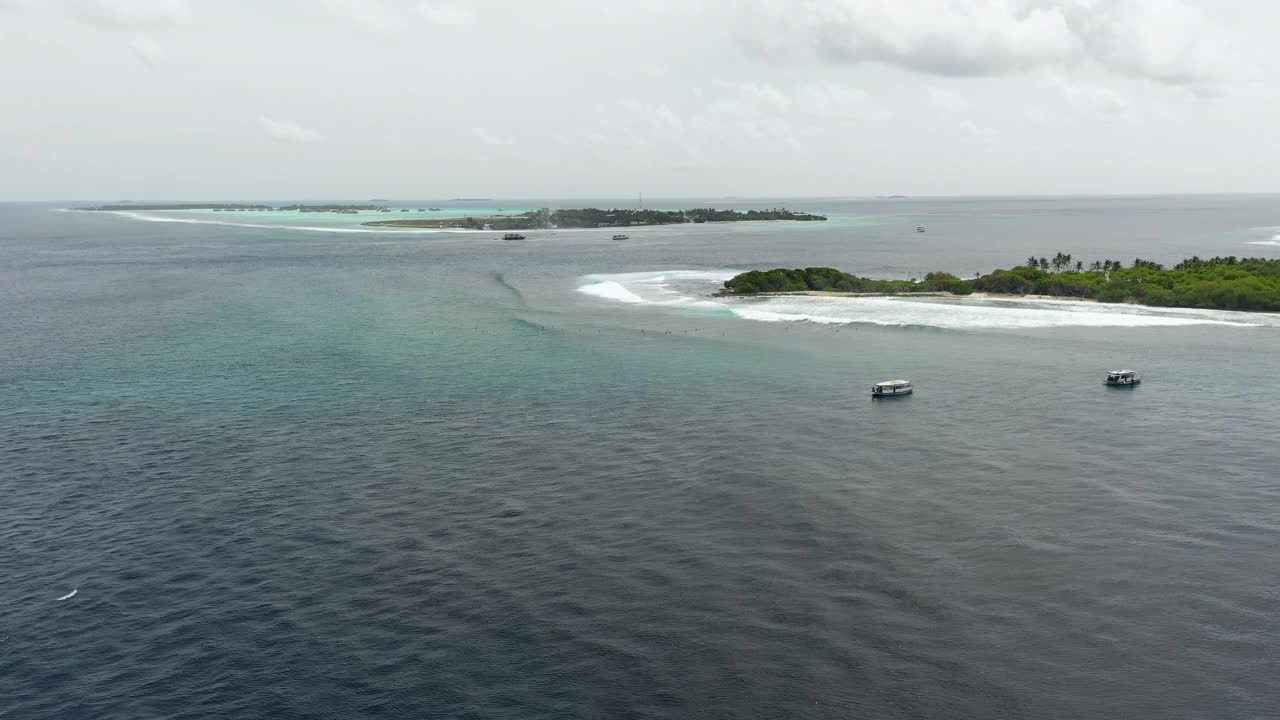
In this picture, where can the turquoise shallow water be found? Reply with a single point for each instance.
(301, 474)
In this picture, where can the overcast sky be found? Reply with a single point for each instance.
(134, 99)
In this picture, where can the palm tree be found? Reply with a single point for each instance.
(1044, 264)
(1079, 265)
(1032, 262)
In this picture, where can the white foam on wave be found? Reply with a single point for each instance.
(668, 287)
(69, 595)
(692, 289)
(966, 314)
(611, 290)
(264, 226)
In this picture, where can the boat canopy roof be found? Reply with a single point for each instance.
(1121, 372)
(891, 383)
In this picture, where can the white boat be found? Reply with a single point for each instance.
(620, 236)
(1126, 378)
(891, 388)
(919, 228)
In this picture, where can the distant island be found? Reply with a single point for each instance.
(1224, 283)
(334, 208)
(179, 206)
(597, 218)
(233, 207)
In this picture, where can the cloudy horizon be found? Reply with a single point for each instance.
(195, 99)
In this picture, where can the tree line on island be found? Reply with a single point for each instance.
(593, 217)
(1226, 283)
(600, 218)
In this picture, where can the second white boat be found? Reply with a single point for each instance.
(891, 388)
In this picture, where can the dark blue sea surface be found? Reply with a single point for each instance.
(326, 473)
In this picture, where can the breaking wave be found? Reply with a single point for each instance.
(686, 288)
(611, 290)
(692, 289)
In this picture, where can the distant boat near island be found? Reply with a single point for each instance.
(621, 236)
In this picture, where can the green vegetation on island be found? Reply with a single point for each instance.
(531, 220)
(1226, 283)
(825, 279)
(598, 218)
(334, 208)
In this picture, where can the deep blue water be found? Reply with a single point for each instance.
(303, 474)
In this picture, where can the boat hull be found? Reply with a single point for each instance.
(900, 393)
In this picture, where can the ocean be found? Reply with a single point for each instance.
(294, 467)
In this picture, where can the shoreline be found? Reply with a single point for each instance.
(922, 293)
(1216, 283)
(430, 222)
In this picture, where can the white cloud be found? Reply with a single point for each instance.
(1165, 41)
(945, 37)
(866, 121)
(830, 98)
(372, 14)
(976, 134)
(131, 13)
(446, 15)
(763, 94)
(390, 15)
(147, 50)
(947, 100)
(722, 125)
(489, 138)
(288, 131)
(658, 115)
(1097, 100)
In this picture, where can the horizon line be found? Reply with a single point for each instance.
(699, 198)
